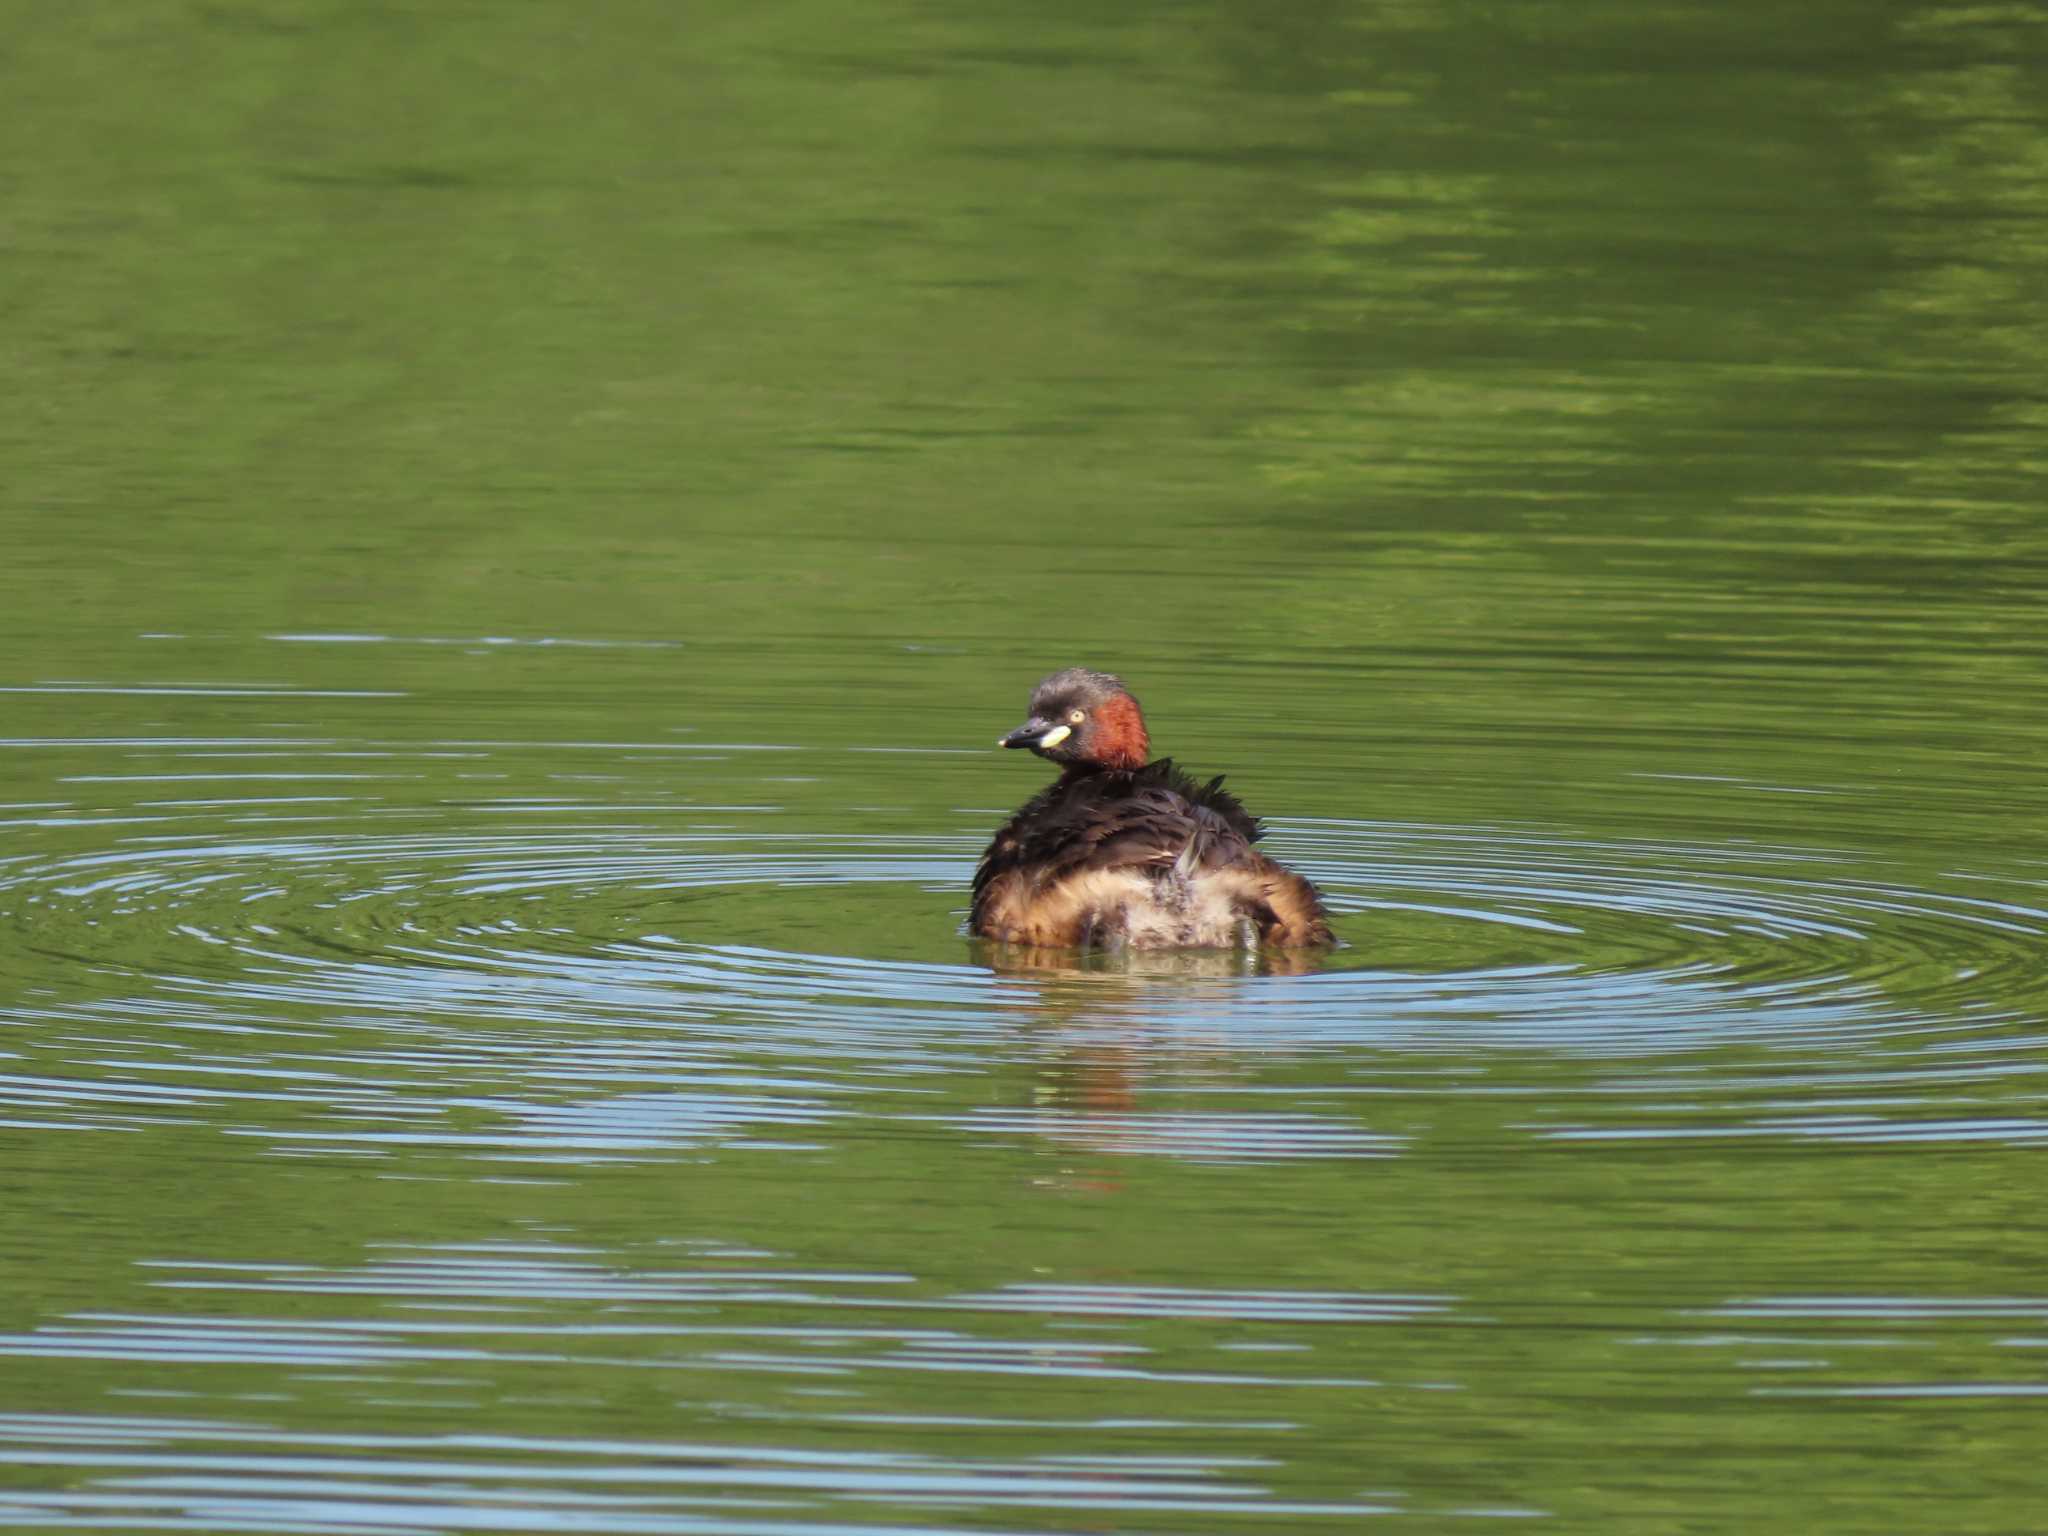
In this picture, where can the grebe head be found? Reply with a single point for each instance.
(1083, 717)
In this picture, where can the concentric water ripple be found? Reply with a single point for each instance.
(534, 976)
(1472, 900)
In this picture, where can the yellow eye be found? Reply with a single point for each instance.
(1076, 716)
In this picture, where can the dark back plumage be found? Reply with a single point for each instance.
(1106, 820)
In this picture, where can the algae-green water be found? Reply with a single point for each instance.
(520, 527)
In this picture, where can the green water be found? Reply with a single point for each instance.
(519, 526)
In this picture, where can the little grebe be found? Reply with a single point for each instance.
(1120, 851)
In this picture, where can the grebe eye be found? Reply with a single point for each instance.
(1077, 715)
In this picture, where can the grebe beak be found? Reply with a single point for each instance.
(1036, 733)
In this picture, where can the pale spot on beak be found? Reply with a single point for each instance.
(1056, 735)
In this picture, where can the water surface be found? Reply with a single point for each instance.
(521, 528)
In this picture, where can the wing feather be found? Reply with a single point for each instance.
(1088, 837)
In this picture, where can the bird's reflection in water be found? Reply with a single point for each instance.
(1118, 1032)
(1145, 964)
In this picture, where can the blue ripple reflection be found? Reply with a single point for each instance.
(450, 1329)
